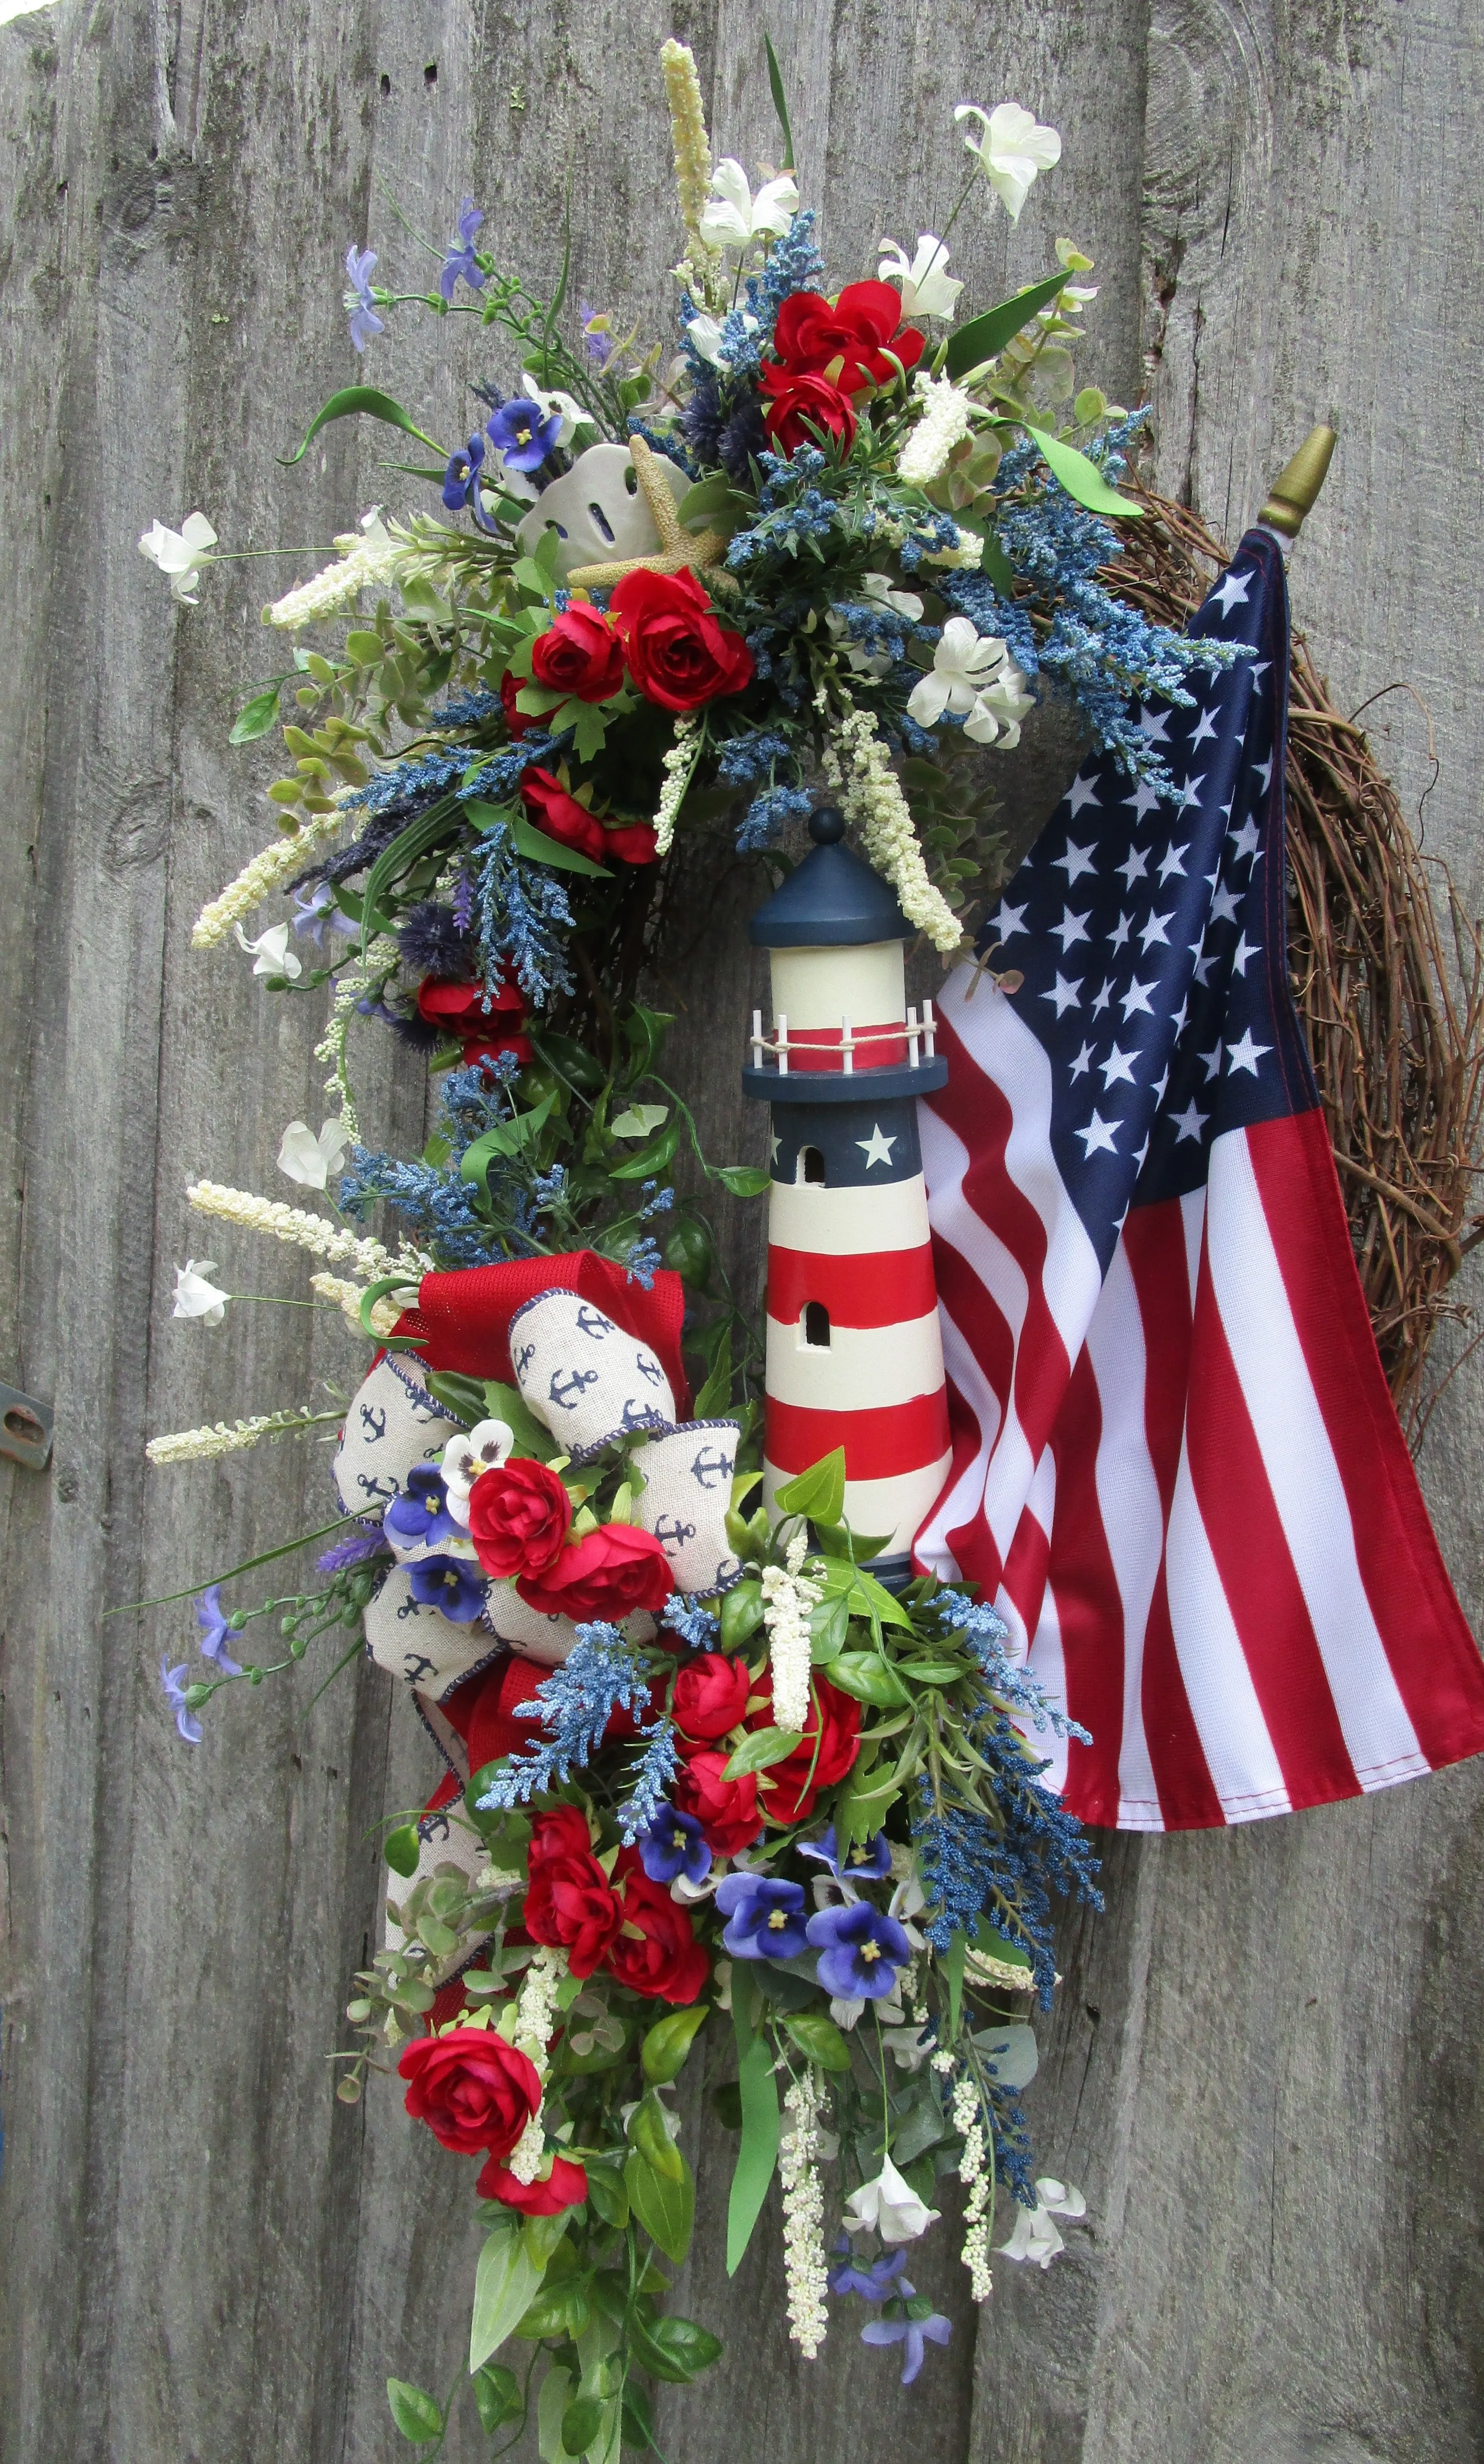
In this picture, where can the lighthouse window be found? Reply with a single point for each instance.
(811, 1167)
(817, 1325)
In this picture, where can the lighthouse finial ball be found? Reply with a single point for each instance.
(827, 826)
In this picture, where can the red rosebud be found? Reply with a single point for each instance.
(564, 2187)
(458, 1010)
(614, 1571)
(570, 1906)
(580, 655)
(846, 340)
(518, 722)
(711, 1696)
(798, 406)
(635, 842)
(559, 815)
(518, 1517)
(679, 652)
(725, 1809)
(823, 1755)
(471, 2088)
(664, 1961)
(563, 1832)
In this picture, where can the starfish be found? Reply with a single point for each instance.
(679, 549)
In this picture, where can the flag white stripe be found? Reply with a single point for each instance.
(1129, 1506)
(1228, 1719)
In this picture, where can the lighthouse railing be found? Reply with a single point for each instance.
(920, 1035)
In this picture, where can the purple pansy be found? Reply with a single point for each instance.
(910, 2332)
(175, 1694)
(866, 1860)
(461, 477)
(364, 318)
(461, 262)
(673, 1846)
(421, 1514)
(449, 1585)
(215, 1628)
(318, 914)
(766, 1917)
(523, 433)
(861, 1952)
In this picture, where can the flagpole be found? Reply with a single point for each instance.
(1297, 486)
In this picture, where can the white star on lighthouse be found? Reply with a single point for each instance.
(876, 1149)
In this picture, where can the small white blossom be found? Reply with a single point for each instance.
(679, 769)
(1034, 2236)
(1011, 149)
(527, 2156)
(368, 559)
(194, 1296)
(805, 2266)
(703, 334)
(943, 421)
(569, 410)
(271, 951)
(974, 677)
(928, 289)
(733, 217)
(891, 2206)
(180, 553)
(468, 1457)
(788, 1597)
(310, 1160)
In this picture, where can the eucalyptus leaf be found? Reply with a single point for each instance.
(418, 2415)
(761, 1750)
(819, 1492)
(506, 2282)
(985, 337)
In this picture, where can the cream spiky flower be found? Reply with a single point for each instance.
(302, 1230)
(972, 677)
(788, 1597)
(928, 289)
(687, 129)
(804, 2262)
(941, 423)
(368, 559)
(974, 2171)
(859, 768)
(1011, 147)
(228, 1437)
(266, 873)
(678, 767)
(347, 1297)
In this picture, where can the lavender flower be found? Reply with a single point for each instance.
(353, 1551)
(861, 1952)
(461, 262)
(318, 914)
(216, 1627)
(179, 1697)
(364, 318)
(673, 1846)
(643, 1261)
(602, 1672)
(653, 1775)
(767, 1918)
(447, 1584)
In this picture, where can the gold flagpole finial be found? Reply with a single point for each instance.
(1299, 483)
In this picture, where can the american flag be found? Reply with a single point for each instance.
(1176, 1468)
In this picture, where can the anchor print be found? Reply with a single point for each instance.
(710, 1467)
(434, 1826)
(592, 1323)
(672, 1534)
(523, 1359)
(416, 1665)
(639, 1416)
(649, 1367)
(567, 1392)
(373, 1420)
(384, 1489)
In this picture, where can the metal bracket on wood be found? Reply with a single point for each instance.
(25, 1429)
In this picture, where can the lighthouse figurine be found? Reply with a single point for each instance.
(855, 1355)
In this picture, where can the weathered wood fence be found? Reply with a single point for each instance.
(1265, 2071)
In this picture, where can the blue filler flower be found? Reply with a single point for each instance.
(449, 1585)
(421, 1514)
(523, 433)
(461, 263)
(185, 1718)
(861, 1949)
(672, 1847)
(364, 318)
(767, 1918)
(216, 1629)
(866, 1860)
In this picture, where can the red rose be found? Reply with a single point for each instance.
(570, 1906)
(616, 1569)
(679, 652)
(711, 1696)
(561, 1833)
(797, 400)
(458, 1010)
(518, 1517)
(471, 2088)
(559, 815)
(725, 1809)
(564, 2187)
(835, 1728)
(519, 722)
(580, 655)
(846, 340)
(635, 842)
(664, 1962)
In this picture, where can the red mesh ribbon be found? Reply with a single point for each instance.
(462, 1321)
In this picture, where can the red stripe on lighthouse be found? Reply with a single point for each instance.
(874, 1047)
(881, 1287)
(878, 1445)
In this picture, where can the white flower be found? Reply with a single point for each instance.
(571, 412)
(943, 421)
(733, 216)
(703, 334)
(1034, 2236)
(891, 2205)
(928, 290)
(180, 553)
(882, 592)
(272, 952)
(466, 1458)
(1011, 148)
(910, 2047)
(194, 1296)
(974, 677)
(310, 1160)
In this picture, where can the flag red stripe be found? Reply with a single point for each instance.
(1089, 1609)
(901, 1437)
(1432, 1655)
(876, 1288)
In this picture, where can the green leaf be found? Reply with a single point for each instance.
(819, 1492)
(644, 1031)
(764, 1747)
(402, 1849)
(549, 2409)
(664, 2051)
(257, 715)
(651, 1160)
(559, 2309)
(998, 565)
(506, 1404)
(673, 2348)
(1081, 479)
(418, 2415)
(985, 337)
(463, 1395)
(637, 2419)
(506, 1139)
(762, 2123)
(818, 2038)
(638, 1121)
(714, 501)
(418, 839)
(866, 1675)
(506, 2282)
(829, 1624)
(497, 2396)
(666, 2208)
(607, 2196)
(350, 401)
(537, 848)
(744, 1179)
(649, 2133)
(780, 103)
(716, 1392)
(932, 1672)
(542, 2234)
(580, 2424)
(571, 1062)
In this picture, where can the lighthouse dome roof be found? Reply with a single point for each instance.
(829, 900)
